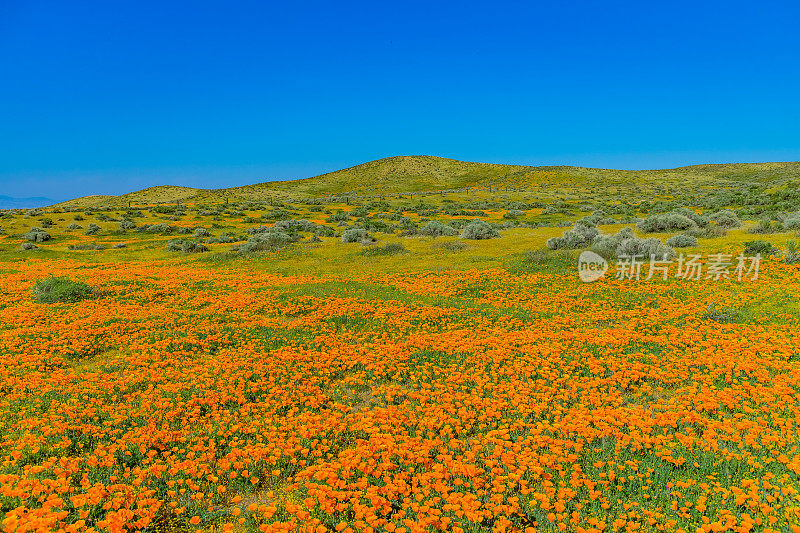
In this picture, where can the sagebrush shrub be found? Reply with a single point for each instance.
(266, 241)
(580, 236)
(92, 229)
(37, 235)
(645, 249)
(354, 235)
(759, 247)
(434, 228)
(726, 219)
(60, 289)
(681, 241)
(478, 229)
(388, 249)
(665, 223)
(186, 246)
(700, 220)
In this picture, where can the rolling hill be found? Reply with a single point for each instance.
(410, 174)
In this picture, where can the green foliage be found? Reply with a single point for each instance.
(60, 289)
(434, 228)
(92, 229)
(354, 235)
(681, 241)
(792, 254)
(726, 219)
(37, 235)
(266, 241)
(664, 223)
(186, 246)
(759, 247)
(391, 248)
(644, 248)
(581, 235)
(478, 230)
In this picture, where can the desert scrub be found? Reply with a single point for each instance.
(392, 248)
(186, 246)
(759, 247)
(126, 224)
(644, 248)
(581, 235)
(665, 223)
(791, 255)
(355, 235)
(92, 229)
(60, 289)
(700, 220)
(267, 241)
(37, 235)
(434, 228)
(726, 219)
(681, 241)
(28, 246)
(766, 226)
(478, 229)
(709, 232)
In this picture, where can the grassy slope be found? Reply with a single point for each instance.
(406, 174)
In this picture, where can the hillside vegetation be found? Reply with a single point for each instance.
(425, 174)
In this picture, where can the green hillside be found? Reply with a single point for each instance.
(413, 174)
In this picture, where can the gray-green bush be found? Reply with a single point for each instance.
(37, 235)
(434, 228)
(478, 229)
(681, 241)
(666, 222)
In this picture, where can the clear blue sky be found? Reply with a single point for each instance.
(107, 96)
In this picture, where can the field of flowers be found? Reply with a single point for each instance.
(221, 396)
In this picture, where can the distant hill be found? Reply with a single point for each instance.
(409, 174)
(9, 202)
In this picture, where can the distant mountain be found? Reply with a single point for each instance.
(9, 202)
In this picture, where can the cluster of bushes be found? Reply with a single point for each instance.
(186, 246)
(270, 241)
(665, 223)
(162, 228)
(623, 243)
(434, 228)
(581, 235)
(37, 235)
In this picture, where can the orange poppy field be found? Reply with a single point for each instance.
(214, 396)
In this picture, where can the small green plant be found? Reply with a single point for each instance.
(759, 247)
(792, 254)
(723, 316)
(60, 289)
(392, 248)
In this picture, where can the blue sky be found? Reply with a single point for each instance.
(107, 97)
